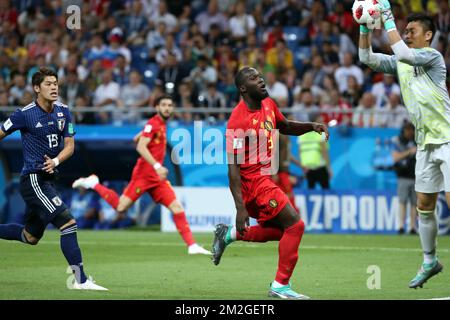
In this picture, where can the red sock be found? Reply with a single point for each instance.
(109, 195)
(260, 234)
(183, 228)
(288, 251)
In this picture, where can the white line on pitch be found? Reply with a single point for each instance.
(302, 247)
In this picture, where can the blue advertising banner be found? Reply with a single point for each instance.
(356, 211)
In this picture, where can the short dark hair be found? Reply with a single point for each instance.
(240, 77)
(425, 20)
(39, 76)
(164, 96)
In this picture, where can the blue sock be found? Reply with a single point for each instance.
(72, 252)
(12, 231)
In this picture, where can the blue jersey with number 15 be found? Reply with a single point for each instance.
(42, 132)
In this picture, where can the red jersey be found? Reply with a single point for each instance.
(155, 129)
(249, 134)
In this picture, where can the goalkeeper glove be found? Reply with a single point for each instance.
(363, 29)
(386, 15)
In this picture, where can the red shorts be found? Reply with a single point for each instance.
(161, 191)
(263, 199)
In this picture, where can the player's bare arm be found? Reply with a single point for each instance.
(234, 177)
(296, 128)
(69, 147)
(136, 137)
(142, 149)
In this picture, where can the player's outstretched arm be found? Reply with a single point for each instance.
(295, 128)
(234, 177)
(66, 153)
(399, 47)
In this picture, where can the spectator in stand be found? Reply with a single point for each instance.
(326, 33)
(280, 57)
(171, 75)
(203, 74)
(442, 17)
(14, 50)
(304, 108)
(211, 16)
(342, 18)
(94, 77)
(224, 61)
(276, 89)
(135, 23)
(162, 14)
(116, 47)
(330, 57)
(106, 96)
(8, 16)
(121, 71)
(308, 83)
(39, 47)
(156, 37)
(132, 97)
(29, 20)
(97, 49)
(395, 114)
(169, 47)
(211, 99)
(290, 13)
(346, 70)
(365, 115)
(72, 88)
(83, 117)
(241, 24)
(275, 33)
(17, 91)
(185, 100)
(353, 92)
(317, 70)
(382, 90)
(335, 110)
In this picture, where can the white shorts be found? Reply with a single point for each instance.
(433, 168)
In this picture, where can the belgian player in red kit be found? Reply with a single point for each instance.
(149, 175)
(250, 140)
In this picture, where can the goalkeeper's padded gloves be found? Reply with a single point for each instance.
(363, 29)
(386, 15)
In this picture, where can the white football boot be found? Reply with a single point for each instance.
(196, 249)
(89, 284)
(87, 183)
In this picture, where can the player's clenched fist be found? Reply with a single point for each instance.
(242, 220)
(319, 128)
(162, 172)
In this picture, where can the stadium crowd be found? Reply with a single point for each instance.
(127, 53)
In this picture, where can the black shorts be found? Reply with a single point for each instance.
(43, 203)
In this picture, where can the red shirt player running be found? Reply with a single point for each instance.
(250, 140)
(149, 175)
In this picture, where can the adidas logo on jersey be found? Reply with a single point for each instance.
(38, 125)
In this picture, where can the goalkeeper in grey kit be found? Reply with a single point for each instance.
(421, 72)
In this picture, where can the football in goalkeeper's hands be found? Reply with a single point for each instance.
(367, 12)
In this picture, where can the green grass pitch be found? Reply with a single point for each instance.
(153, 265)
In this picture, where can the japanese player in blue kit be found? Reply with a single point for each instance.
(47, 139)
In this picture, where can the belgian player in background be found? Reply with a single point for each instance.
(47, 138)
(254, 192)
(149, 175)
(421, 72)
